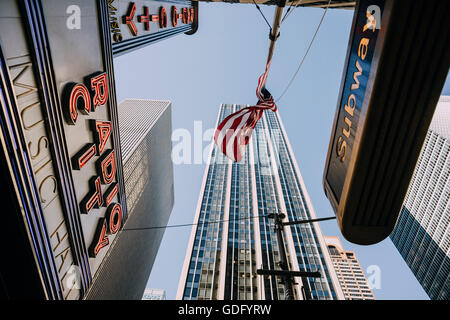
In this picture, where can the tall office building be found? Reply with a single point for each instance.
(222, 258)
(154, 294)
(145, 128)
(349, 272)
(422, 231)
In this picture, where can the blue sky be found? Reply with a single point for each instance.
(221, 64)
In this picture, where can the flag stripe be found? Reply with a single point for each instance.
(234, 132)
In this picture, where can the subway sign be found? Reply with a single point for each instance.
(390, 86)
(359, 64)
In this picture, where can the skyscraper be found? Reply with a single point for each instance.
(223, 256)
(154, 294)
(421, 234)
(350, 274)
(145, 129)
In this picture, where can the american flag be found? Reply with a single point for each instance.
(234, 132)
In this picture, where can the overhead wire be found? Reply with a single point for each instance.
(194, 224)
(306, 53)
(289, 84)
(262, 14)
(288, 11)
(229, 220)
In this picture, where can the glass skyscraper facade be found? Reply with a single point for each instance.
(233, 237)
(422, 234)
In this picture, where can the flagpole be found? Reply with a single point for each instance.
(273, 36)
(244, 120)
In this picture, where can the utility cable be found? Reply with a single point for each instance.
(231, 220)
(288, 12)
(193, 224)
(259, 9)
(306, 53)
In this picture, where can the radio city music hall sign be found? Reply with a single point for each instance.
(162, 17)
(78, 100)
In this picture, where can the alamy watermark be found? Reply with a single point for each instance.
(373, 15)
(374, 277)
(72, 279)
(73, 21)
(194, 146)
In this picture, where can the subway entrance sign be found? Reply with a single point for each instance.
(397, 61)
